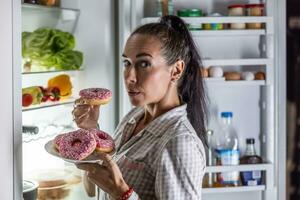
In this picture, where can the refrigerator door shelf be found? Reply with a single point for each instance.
(268, 21)
(220, 82)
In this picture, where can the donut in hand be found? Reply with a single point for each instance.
(94, 96)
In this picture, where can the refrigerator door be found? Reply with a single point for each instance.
(10, 115)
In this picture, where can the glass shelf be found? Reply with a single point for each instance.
(51, 71)
(36, 16)
(49, 104)
(48, 130)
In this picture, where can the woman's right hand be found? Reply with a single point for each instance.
(86, 116)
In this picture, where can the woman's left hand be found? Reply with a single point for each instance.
(106, 176)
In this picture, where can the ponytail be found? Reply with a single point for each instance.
(177, 44)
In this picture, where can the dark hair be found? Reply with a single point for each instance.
(177, 43)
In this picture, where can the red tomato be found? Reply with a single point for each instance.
(27, 100)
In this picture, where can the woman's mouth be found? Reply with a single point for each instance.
(133, 93)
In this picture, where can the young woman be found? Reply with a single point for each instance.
(159, 143)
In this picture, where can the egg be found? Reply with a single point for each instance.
(216, 72)
(248, 76)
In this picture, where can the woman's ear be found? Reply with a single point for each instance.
(177, 70)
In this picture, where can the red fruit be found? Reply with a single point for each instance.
(27, 100)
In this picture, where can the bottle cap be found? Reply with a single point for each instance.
(250, 140)
(226, 114)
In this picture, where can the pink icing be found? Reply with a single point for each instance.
(103, 140)
(57, 139)
(95, 93)
(77, 145)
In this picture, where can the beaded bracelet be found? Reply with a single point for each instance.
(126, 194)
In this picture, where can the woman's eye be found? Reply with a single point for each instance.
(126, 63)
(143, 64)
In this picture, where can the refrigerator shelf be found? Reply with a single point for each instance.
(222, 82)
(237, 62)
(233, 189)
(35, 16)
(228, 32)
(52, 71)
(49, 104)
(267, 168)
(241, 168)
(268, 21)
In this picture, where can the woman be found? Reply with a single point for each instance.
(159, 143)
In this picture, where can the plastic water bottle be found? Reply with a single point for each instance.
(227, 150)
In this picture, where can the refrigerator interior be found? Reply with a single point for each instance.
(92, 23)
(254, 103)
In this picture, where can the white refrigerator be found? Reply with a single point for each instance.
(101, 29)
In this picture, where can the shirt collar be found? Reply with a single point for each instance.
(159, 125)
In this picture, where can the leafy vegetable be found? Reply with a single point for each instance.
(51, 48)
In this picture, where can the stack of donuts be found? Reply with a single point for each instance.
(79, 144)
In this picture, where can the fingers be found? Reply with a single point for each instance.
(87, 167)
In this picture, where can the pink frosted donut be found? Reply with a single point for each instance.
(105, 142)
(94, 96)
(57, 140)
(77, 145)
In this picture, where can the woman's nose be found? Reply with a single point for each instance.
(130, 75)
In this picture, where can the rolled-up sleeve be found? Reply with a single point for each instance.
(180, 169)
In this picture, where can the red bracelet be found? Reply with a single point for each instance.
(126, 194)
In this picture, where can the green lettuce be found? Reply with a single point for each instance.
(49, 47)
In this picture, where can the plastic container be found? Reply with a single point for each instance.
(237, 10)
(255, 10)
(214, 26)
(49, 2)
(30, 190)
(191, 13)
(55, 184)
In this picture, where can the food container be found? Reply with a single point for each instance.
(237, 10)
(55, 184)
(254, 10)
(30, 190)
(214, 26)
(49, 2)
(191, 13)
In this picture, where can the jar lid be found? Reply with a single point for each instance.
(255, 5)
(215, 15)
(29, 186)
(195, 13)
(182, 13)
(190, 13)
(236, 6)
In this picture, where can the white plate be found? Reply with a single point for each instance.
(93, 158)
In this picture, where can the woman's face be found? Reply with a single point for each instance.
(146, 74)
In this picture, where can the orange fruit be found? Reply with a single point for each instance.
(64, 84)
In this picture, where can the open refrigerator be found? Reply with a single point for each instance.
(101, 29)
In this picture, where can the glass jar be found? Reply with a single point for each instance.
(191, 13)
(214, 26)
(254, 10)
(237, 10)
